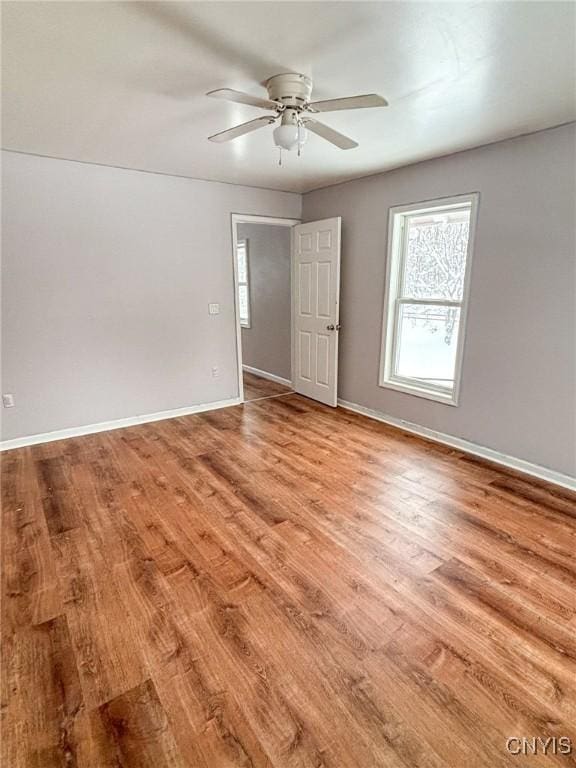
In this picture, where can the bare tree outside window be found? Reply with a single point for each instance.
(434, 268)
(436, 258)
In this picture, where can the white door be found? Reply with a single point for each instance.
(316, 304)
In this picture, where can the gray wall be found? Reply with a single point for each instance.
(519, 381)
(107, 275)
(266, 344)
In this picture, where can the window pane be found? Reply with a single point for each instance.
(243, 302)
(427, 342)
(435, 259)
(242, 271)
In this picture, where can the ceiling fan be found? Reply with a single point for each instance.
(289, 96)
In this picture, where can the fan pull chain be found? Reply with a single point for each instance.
(280, 155)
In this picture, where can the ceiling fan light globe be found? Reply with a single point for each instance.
(286, 136)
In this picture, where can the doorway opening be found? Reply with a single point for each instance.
(262, 251)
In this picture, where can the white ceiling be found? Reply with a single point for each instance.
(123, 83)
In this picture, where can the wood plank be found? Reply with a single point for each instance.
(101, 633)
(42, 697)
(30, 589)
(59, 499)
(23, 520)
(136, 730)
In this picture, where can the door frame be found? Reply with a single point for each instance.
(247, 218)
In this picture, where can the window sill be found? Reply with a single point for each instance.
(409, 389)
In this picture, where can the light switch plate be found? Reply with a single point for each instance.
(213, 309)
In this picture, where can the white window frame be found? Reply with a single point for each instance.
(248, 322)
(392, 300)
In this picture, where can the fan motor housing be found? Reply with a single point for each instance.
(291, 89)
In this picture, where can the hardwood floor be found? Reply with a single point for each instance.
(281, 584)
(255, 387)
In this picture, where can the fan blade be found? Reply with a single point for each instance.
(350, 102)
(240, 130)
(330, 134)
(228, 94)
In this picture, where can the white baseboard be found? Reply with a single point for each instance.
(105, 426)
(543, 473)
(266, 375)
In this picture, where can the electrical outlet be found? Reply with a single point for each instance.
(213, 309)
(8, 401)
(215, 372)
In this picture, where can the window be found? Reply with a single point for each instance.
(243, 283)
(426, 295)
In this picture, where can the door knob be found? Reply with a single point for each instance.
(330, 327)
